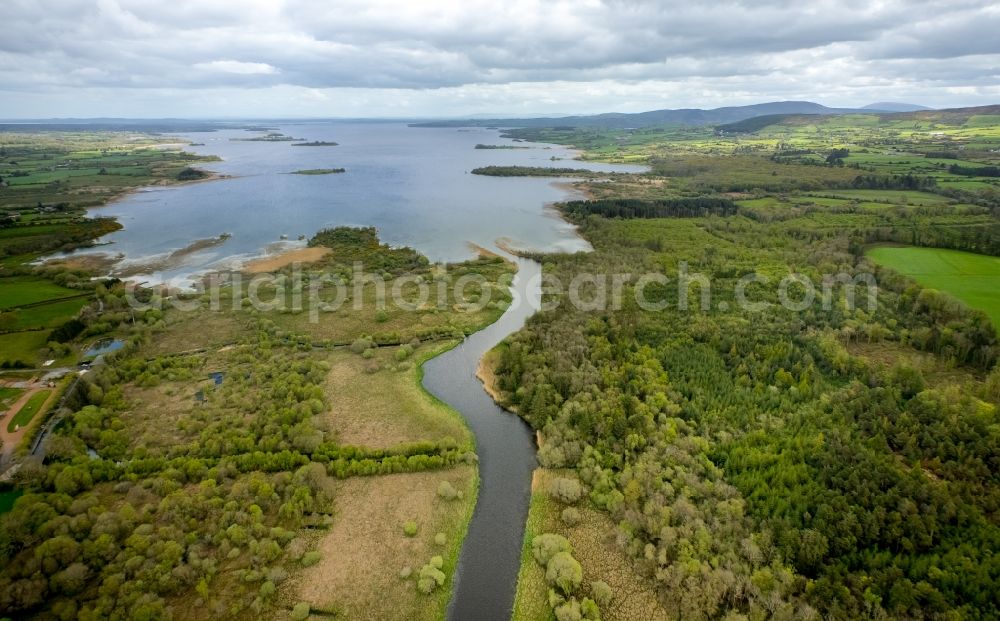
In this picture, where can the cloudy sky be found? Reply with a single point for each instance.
(259, 58)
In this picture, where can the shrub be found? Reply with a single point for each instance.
(431, 576)
(602, 592)
(551, 456)
(426, 585)
(251, 575)
(267, 589)
(564, 571)
(300, 612)
(310, 558)
(571, 516)
(440, 539)
(296, 548)
(405, 572)
(361, 344)
(565, 490)
(404, 352)
(447, 491)
(368, 354)
(410, 528)
(544, 547)
(590, 610)
(909, 379)
(381, 316)
(277, 575)
(568, 611)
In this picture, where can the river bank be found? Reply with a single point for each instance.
(486, 576)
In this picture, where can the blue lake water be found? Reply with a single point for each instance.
(413, 184)
(104, 346)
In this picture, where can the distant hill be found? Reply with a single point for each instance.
(684, 116)
(110, 124)
(950, 116)
(894, 106)
(757, 123)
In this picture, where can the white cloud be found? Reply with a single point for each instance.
(237, 67)
(464, 56)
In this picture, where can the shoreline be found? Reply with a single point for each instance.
(486, 375)
(273, 262)
(110, 264)
(574, 187)
(159, 184)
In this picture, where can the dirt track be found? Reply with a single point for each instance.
(12, 438)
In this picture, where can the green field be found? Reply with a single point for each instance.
(22, 346)
(972, 278)
(21, 290)
(26, 413)
(46, 315)
(901, 197)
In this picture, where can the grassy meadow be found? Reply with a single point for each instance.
(972, 278)
(31, 407)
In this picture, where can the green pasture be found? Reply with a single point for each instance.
(972, 278)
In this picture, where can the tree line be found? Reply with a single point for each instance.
(656, 208)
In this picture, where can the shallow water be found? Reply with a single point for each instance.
(412, 184)
(104, 346)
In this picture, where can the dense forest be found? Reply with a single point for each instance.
(975, 171)
(361, 245)
(894, 182)
(661, 208)
(754, 467)
(531, 171)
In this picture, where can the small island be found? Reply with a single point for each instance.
(536, 171)
(319, 171)
(499, 146)
(271, 137)
(315, 143)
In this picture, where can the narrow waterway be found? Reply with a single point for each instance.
(486, 576)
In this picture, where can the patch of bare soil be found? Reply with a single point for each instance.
(274, 263)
